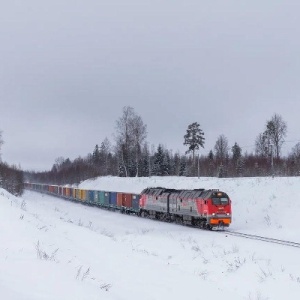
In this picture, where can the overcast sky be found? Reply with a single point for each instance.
(68, 67)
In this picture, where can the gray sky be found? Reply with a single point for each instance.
(68, 67)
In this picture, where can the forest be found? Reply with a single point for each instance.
(130, 155)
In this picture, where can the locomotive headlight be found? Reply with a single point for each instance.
(228, 214)
(213, 214)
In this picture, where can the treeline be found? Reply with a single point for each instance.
(11, 179)
(131, 156)
(164, 163)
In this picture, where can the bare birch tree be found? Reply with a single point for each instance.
(276, 130)
(131, 133)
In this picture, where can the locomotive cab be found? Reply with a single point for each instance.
(218, 209)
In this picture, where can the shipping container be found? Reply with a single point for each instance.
(113, 199)
(51, 189)
(83, 195)
(119, 200)
(101, 197)
(71, 192)
(74, 194)
(68, 192)
(78, 194)
(90, 198)
(56, 189)
(96, 198)
(106, 198)
(135, 202)
(127, 200)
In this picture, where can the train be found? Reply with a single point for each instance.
(203, 208)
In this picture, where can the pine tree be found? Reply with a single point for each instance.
(211, 155)
(211, 163)
(158, 161)
(96, 156)
(240, 166)
(166, 166)
(194, 138)
(104, 154)
(236, 152)
(182, 170)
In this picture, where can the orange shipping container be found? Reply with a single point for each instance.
(119, 199)
(127, 200)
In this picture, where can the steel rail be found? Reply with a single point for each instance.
(262, 238)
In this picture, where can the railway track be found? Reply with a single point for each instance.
(233, 233)
(262, 238)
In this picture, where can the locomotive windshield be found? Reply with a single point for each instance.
(220, 201)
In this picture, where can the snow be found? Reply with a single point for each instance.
(54, 249)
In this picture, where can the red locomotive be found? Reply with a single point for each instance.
(202, 208)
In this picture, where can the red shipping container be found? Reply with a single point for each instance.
(127, 200)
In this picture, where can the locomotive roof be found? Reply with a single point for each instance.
(184, 193)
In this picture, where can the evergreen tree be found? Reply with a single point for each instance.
(166, 166)
(158, 169)
(236, 152)
(211, 155)
(221, 171)
(145, 161)
(240, 166)
(183, 170)
(211, 163)
(96, 156)
(104, 155)
(194, 138)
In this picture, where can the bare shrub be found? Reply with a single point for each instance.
(85, 274)
(203, 274)
(78, 272)
(105, 286)
(23, 205)
(264, 274)
(267, 220)
(258, 296)
(41, 254)
(236, 264)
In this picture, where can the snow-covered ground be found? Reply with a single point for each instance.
(54, 249)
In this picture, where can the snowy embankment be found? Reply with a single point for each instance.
(55, 249)
(264, 205)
